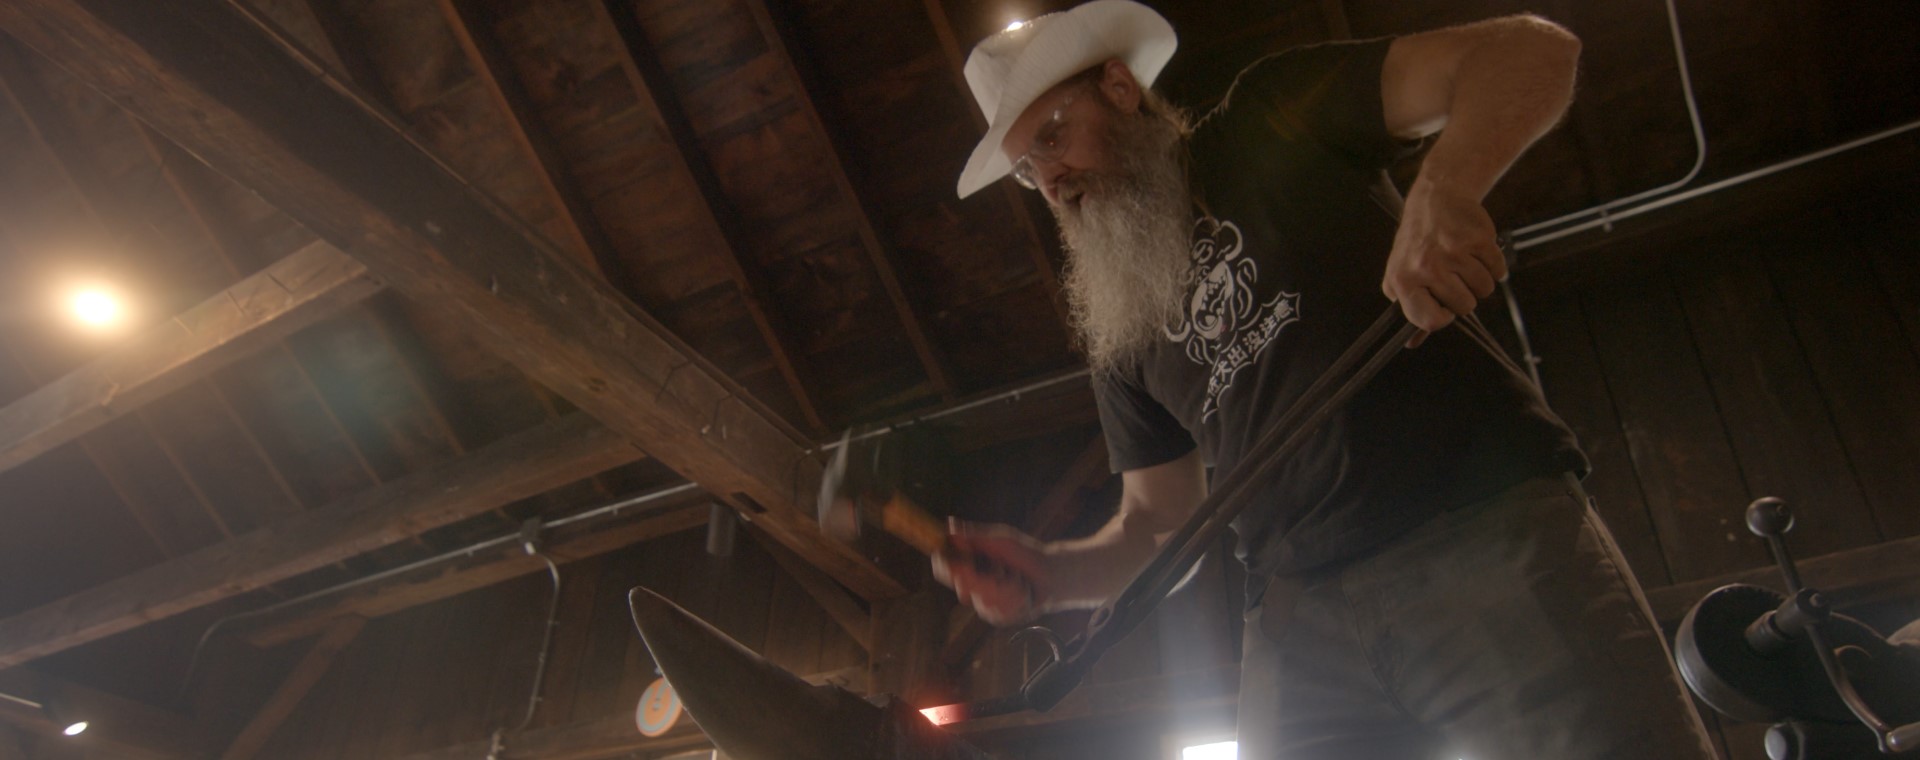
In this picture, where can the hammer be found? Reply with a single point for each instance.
(855, 493)
(847, 500)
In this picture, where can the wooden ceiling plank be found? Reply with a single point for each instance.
(956, 68)
(647, 79)
(287, 696)
(305, 143)
(187, 176)
(11, 746)
(840, 606)
(172, 455)
(568, 544)
(520, 466)
(120, 727)
(932, 360)
(291, 294)
(473, 29)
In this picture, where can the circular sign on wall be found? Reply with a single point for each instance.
(659, 709)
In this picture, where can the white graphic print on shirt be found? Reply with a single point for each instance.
(1221, 326)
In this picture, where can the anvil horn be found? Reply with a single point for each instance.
(750, 708)
(754, 710)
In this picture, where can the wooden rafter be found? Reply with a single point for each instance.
(518, 467)
(308, 145)
(584, 237)
(287, 696)
(648, 82)
(932, 359)
(956, 69)
(256, 311)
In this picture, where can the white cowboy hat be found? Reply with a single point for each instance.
(1008, 70)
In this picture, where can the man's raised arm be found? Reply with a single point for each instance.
(1024, 578)
(1490, 89)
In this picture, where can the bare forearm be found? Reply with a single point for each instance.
(1088, 571)
(1507, 91)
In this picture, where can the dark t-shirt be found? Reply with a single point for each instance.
(1296, 218)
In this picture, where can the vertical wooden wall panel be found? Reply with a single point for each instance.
(1678, 442)
(1776, 420)
(1864, 367)
(1578, 391)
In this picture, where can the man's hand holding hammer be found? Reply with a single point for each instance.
(1011, 578)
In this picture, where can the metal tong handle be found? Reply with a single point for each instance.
(1112, 622)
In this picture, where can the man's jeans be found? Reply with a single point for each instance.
(1510, 629)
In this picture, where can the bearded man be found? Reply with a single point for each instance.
(1426, 576)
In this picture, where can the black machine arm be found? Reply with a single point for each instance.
(1757, 656)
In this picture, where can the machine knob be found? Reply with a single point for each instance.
(1769, 517)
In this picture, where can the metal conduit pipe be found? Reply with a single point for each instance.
(1699, 143)
(1670, 200)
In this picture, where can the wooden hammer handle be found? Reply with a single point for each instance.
(907, 521)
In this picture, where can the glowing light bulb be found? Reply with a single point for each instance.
(1015, 26)
(95, 307)
(75, 729)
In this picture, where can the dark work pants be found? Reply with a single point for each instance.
(1507, 630)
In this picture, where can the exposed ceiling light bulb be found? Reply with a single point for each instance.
(1015, 26)
(75, 729)
(95, 307)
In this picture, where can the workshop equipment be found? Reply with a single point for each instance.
(1836, 688)
(754, 710)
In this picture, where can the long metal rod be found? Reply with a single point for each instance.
(22, 701)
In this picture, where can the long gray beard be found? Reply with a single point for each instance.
(1128, 242)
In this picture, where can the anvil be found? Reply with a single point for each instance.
(753, 709)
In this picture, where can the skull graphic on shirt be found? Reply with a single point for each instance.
(1221, 327)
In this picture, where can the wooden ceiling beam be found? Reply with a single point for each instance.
(296, 291)
(288, 695)
(648, 81)
(932, 359)
(956, 69)
(306, 143)
(515, 468)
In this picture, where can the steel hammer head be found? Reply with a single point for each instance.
(838, 507)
